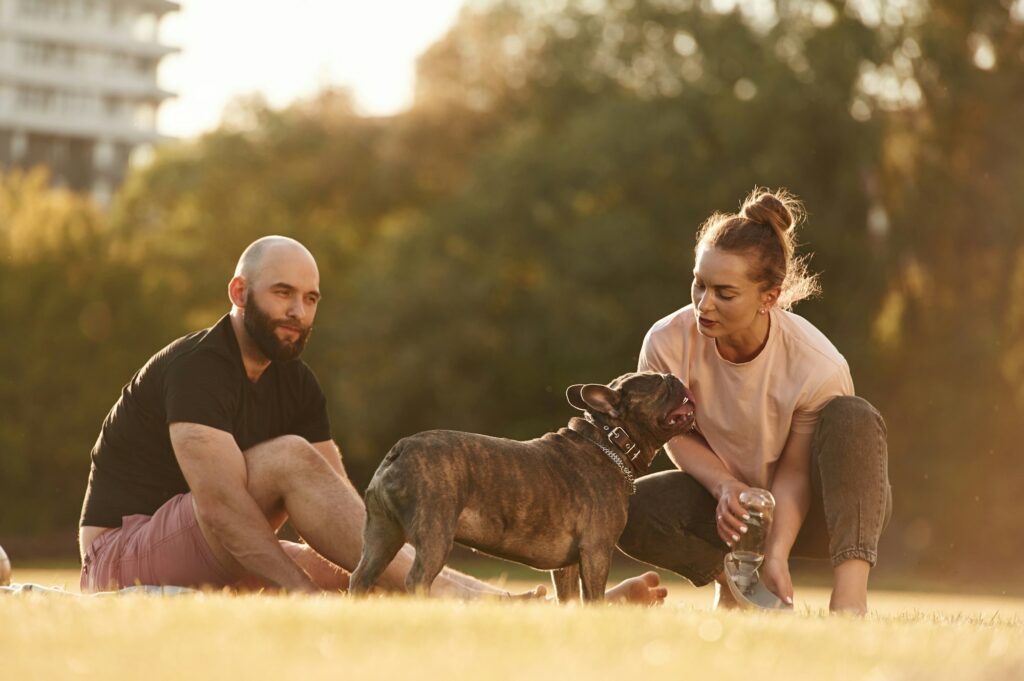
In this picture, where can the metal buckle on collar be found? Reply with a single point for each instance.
(621, 439)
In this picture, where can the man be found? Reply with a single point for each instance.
(221, 437)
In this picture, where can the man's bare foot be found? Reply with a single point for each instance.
(643, 589)
(723, 596)
(539, 592)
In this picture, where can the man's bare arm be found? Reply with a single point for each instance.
(214, 469)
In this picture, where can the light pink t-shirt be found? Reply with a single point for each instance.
(747, 411)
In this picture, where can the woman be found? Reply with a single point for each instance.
(775, 410)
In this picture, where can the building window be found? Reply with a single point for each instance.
(52, 9)
(77, 104)
(145, 66)
(34, 8)
(145, 116)
(144, 28)
(103, 154)
(112, 106)
(47, 54)
(34, 52)
(35, 99)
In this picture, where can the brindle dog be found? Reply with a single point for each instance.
(556, 503)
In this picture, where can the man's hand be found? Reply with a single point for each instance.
(730, 514)
(775, 575)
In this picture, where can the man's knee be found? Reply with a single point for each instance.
(287, 455)
(290, 443)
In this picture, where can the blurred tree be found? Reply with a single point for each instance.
(76, 326)
(950, 331)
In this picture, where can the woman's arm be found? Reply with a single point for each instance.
(792, 491)
(692, 454)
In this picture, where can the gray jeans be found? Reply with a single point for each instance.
(672, 517)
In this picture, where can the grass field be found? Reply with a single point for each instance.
(215, 636)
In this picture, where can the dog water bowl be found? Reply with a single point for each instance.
(746, 587)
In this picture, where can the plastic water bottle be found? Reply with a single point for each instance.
(748, 553)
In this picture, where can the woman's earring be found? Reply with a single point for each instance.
(761, 310)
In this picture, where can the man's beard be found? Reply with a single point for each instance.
(261, 329)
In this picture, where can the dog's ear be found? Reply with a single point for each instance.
(572, 394)
(600, 398)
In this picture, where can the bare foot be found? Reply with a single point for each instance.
(537, 593)
(850, 593)
(838, 605)
(644, 589)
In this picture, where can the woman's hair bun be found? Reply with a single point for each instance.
(779, 210)
(765, 231)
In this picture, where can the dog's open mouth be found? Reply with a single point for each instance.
(682, 417)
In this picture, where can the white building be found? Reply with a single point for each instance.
(78, 87)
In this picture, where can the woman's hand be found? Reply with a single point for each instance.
(775, 575)
(730, 513)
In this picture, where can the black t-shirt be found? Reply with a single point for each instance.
(199, 378)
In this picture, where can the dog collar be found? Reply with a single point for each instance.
(617, 460)
(621, 439)
(612, 455)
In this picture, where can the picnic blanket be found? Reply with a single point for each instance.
(29, 587)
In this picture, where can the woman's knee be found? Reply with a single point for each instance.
(851, 456)
(669, 498)
(671, 521)
(851, 413)
(849, 431)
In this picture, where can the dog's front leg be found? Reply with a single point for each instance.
(567, 583)
(594, 567)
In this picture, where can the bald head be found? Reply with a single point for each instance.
(269, 252)
(274, 296)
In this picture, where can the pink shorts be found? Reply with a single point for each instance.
(164, 549)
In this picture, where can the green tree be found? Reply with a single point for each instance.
(76, 325)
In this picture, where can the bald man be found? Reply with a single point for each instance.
(221, 437)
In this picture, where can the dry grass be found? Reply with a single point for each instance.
(216, 636)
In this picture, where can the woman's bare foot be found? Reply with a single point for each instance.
(643, 589)
(841, 605)
(850, 592)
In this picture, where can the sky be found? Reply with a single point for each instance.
(287, 49)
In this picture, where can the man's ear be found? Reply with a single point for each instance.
(236, 291)
(595, 397)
